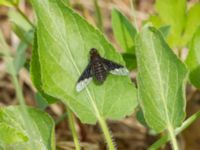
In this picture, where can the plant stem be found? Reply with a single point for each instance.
(24, 16)
(102, 123)
(29, 125)
(134, 14)
(166, 138)
(173, 137)
(71, 121)
(107, 134)
(99, 20)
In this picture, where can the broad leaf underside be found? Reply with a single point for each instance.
(161, 79)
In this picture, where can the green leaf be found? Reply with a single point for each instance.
(173, 13)
(4, 49)
(9, 3)
(42, 103)
(193, 60)
(16, 18)
(155, 20)
(22, 28)
(192, 23)
(140, 117)
(165, 30)
(161, 81)
(35, 71)
(64, 41)
(130, 60)
(20, 57)
(124, 31)
(14, 134)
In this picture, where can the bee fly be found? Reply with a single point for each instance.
(98, 68)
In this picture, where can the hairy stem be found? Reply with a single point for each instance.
(102, 123)
(173, 137)
(99, 20)
(107, 134)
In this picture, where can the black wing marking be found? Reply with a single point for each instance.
(85, 78)
(115, 68)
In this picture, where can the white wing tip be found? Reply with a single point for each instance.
(120, 71)
(82, 84)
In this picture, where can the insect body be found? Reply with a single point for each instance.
(99, 68)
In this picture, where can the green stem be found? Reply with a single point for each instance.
(173, 137)
(99, 20)
(29, 125)
(24, 16)
(102, 123)
(71, 121)
(107, 134)
(134, 14)
(166, 138)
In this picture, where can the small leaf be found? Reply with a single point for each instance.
(64, 41)
(161, 86)
(16, 18)
(42, 103)
(124, 31)
(165, 30)
(173, 13)
(20, 57)
(4, 49)
(14, 134)
(193, 60)
(140, 117)
(22, 28)
(192, 23)
(155, 20)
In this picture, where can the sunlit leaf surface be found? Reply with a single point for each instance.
(161, 76)
(64, 41)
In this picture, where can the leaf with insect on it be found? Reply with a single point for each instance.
(64, 41)
(98, 68)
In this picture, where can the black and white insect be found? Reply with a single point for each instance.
(98, 68)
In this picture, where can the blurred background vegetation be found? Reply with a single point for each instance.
(16, 24)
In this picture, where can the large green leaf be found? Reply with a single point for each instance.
(35, 70)
(161, 77)
(173, 13)
(124, 31)
(64, 41)
(193, 59)
(14, 134)
(192, 23)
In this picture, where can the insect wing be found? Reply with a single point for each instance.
(84, 79)
(115, 68)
